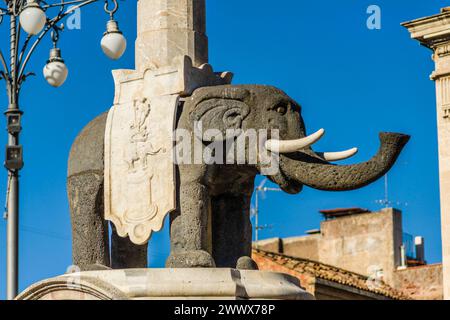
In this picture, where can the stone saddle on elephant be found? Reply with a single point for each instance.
(211, 226)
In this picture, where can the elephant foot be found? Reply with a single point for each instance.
(191, 259)
(246, 263)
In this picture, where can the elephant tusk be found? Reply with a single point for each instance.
(289, 146)
(336, 156)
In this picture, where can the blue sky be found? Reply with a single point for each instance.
(350, 80)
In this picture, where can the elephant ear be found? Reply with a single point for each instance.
(219, 109)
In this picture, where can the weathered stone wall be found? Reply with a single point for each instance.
(271, 245)
(421, 283)
(302, 247)
(365, 243)
(305, 247)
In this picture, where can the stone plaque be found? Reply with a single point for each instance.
(139, 170)
(140, 175)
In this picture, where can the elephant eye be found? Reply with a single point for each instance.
(281, 109)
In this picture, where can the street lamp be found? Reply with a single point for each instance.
(32, 16)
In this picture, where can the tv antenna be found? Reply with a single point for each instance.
(261, 189)
(386, 202)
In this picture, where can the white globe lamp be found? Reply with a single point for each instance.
(32, 18)
(113, 42)
(55, 71)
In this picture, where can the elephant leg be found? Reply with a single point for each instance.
(232, 231)
(89, 229)
(190, 237)
(125, 254)
(90, 237)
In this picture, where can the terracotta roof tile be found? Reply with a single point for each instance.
(334, 274)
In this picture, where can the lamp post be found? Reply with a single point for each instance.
(31, 16)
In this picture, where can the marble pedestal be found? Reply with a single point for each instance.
(168, 284)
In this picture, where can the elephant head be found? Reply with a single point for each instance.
(249, 107)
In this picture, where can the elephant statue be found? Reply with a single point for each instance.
(211, 226)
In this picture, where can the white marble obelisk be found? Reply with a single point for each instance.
(168, 29)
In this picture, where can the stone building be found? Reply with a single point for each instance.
(433, 32)
(370, 245)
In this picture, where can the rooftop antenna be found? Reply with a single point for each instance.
(386, 202)
(386, 190)
(261, 189)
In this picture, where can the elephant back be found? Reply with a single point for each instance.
(87, 152)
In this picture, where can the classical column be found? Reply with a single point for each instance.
(434, 32)
(171, 28)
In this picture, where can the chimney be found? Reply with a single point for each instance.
(419, 243)
(403, 259)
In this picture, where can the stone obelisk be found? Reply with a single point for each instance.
(170, 28)
(434, 33)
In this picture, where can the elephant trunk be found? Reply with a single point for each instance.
(319, 174)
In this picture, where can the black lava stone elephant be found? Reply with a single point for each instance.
(211, 227)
